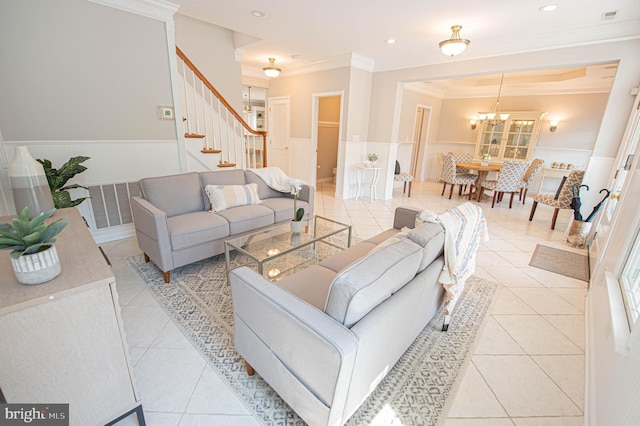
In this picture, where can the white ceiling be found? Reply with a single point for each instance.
(302, 35)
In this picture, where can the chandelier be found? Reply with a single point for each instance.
(271, 71)
(247, 107)
(455, 45)
(495, 117)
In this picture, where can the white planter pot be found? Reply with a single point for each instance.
(296, 226)
(37, 268)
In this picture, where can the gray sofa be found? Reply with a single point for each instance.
(325, 337)
(174, 224)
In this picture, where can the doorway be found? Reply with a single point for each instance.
(328, 138)
(326, 134)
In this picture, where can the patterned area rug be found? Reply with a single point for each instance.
(415, 392)
(563, 262)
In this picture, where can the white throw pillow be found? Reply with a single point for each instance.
(223, 197)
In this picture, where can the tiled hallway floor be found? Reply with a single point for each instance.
(527, 368)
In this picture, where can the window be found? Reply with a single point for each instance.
(512, 140)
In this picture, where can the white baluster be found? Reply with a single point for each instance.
(186, 96)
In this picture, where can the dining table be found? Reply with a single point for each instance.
(483, 171)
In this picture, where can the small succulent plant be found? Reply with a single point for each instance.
(24, 236)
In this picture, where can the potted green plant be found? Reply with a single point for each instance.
(33, 253)
(58, 178)
(372, 157)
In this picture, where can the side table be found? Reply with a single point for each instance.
(372, 184)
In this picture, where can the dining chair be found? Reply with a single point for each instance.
(527, 178)
(464, 157)
(403, 177)
(508, 181)
(452, 177)
(561, 199)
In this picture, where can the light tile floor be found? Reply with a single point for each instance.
(527, 367)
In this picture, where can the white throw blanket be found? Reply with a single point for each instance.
(465, 227)
(276, 179)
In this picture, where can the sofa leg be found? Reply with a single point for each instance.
(445, 324)
(146, 258)
(533, 210)
(167, 277)
(250, 370)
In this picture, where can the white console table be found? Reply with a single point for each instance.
(372, 183)
(63, 341)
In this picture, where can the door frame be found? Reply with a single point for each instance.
(313, 157)
(421, 145)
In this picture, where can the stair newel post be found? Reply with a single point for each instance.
(264, 150)
(220, 128)
(186, 96)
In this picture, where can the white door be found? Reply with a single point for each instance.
(613, 352)
(628, 148)
(279, 133)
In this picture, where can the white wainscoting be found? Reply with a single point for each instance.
(110, 162)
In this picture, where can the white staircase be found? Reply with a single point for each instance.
(216, 135)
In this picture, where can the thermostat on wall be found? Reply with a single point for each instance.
(166, 113)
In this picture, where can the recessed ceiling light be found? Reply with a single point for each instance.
(258, 13)
(390, 40)
(548, 8)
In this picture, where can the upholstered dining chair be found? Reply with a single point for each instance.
(508, 181)
(528, 176)
(452, 177)
(403, 177)
(561, 199)
(464, 157)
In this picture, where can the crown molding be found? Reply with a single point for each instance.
(155, 9)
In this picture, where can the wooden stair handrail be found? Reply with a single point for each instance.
(217, 94)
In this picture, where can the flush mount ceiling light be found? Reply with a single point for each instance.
(455, 45)
(258, 13)
(271, 71)
(548, 8)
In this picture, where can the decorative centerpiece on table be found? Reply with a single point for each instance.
(298, 213)
(485, 159)
(33, 253)
(372, 157)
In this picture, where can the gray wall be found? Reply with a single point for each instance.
(76, 70)
(211, 49)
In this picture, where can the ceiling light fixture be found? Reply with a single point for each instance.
(455, 45)
(271, 71)
(390, 40)
(495, 117)
(247, 108)
(548, 8)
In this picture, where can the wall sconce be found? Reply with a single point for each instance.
(473, 123)
(553, 125)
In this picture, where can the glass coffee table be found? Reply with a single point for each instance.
(276, 252)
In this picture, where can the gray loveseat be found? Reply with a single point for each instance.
(325, 337)
(174, 224)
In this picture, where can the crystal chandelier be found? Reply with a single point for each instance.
(495, 117)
